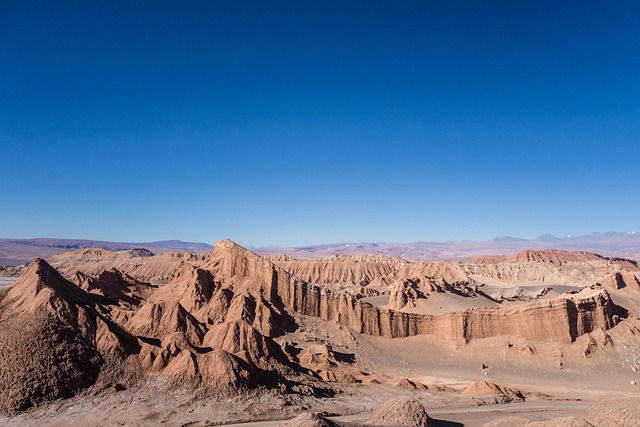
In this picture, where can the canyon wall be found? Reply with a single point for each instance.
(560, 320)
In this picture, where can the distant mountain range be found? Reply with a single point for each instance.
(622, 244)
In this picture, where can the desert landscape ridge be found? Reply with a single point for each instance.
(231, 324)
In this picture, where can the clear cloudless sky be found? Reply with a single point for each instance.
(300, 122)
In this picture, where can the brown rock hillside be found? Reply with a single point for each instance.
(199, 332)
(46, 340)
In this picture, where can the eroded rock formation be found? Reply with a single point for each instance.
(213, 320)
(401, 411)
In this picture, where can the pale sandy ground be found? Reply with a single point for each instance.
(143, 408)
(479, 415)
(469, 416)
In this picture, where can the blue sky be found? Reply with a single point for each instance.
(290, 123)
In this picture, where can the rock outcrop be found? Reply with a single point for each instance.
(47, 334)
(401, 411)
(309, 419)
(498, 393)
(403, 292)
(621, 279)
(561, 320)
(409, 385)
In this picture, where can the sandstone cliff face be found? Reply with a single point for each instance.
(561, 320)
(620, 280)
